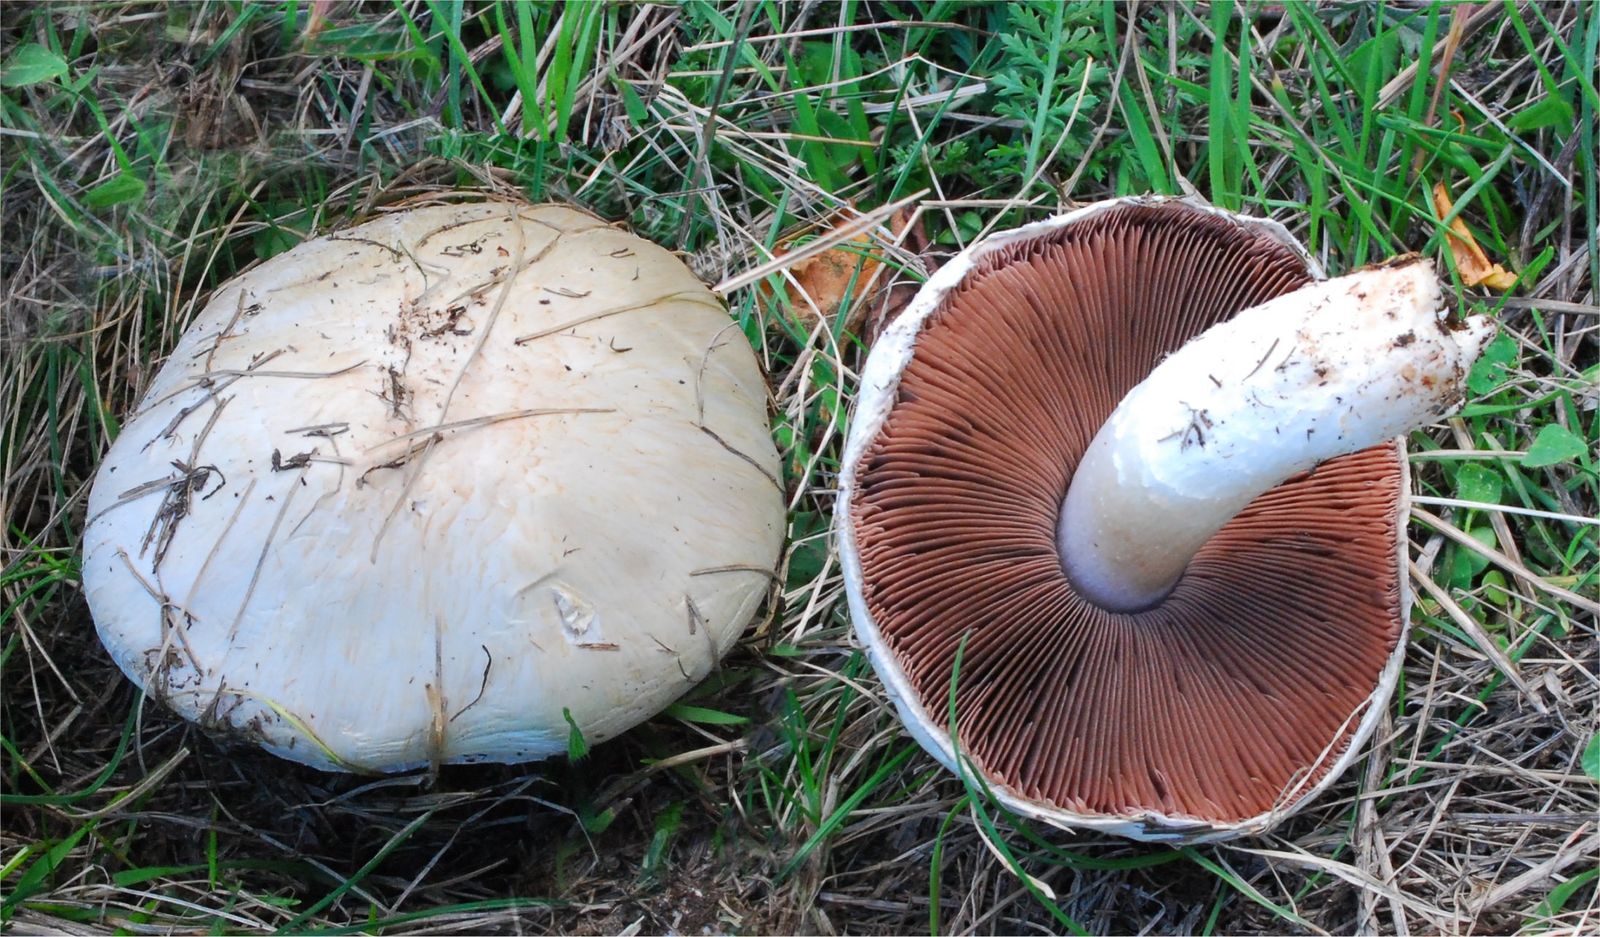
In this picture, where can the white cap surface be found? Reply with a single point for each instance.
(438, 488)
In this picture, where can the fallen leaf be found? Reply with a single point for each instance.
(317, 20)
(821, 284)
(1471, 261)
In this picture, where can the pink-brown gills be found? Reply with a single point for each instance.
(1232, 697)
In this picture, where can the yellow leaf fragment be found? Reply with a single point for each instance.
(847, 270)
(1470, 259)
(317, 20)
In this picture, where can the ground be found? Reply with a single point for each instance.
(152, 152)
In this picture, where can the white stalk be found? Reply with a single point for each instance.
(1331, 368)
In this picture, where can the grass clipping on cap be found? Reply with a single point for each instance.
(782, 794)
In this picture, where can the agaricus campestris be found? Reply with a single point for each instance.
(440, 488)
(1136, 466)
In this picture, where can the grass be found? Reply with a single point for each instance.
(150, 153)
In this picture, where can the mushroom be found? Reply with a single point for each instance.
(444, 487)
(1122, 493)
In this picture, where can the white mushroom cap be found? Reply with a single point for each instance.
(439, 488)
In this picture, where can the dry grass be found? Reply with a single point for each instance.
(243, 129)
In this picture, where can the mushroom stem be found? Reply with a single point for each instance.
(1331, 368)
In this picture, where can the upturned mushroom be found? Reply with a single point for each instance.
(1127, 484)
(443, 487)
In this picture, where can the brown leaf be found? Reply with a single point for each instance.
(1471, 261)
(848, 270)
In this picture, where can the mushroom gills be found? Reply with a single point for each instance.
(1331, 368)
(1229, 704)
